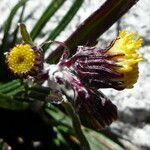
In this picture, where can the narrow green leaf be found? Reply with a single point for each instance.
(99, 141)
(5, 86)
(8, 102)
(10, 88)
(64, 22)
(94, 26)
(60, 141)
(84, 144)
(48, 13)
(16, 90)
(8, 25)
(58, 115)
(15, 33)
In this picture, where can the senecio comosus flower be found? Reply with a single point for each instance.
(114, 67)
(91, 68)
(25, 59)
(79, 77)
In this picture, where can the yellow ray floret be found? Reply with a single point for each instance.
(21, 59)
(127, 45)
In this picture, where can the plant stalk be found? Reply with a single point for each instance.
(76, 125)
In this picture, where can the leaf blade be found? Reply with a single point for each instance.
(8, 25)
(8, 102)
(64, 22)
(47, 14)
(99, 141)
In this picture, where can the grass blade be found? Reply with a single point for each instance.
(11, 88)
(15, 33)
(9, 84)
(8, 25)
(99, 141)
(64, 22)
(8, 103)
(48, 13)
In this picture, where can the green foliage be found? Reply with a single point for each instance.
(10, 103)
(99, 141)
(8, 24)
(47, 14)
(15, 95)
(96, 139)
(64, 22)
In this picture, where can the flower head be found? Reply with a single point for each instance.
(114, 67)
(127, 45)
(79, 77)
(24, 59)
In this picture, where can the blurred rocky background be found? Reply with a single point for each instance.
(133, 126)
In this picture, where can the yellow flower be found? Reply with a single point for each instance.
(22, 59)
(125, 47)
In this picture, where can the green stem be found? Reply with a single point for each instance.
(76, 125)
